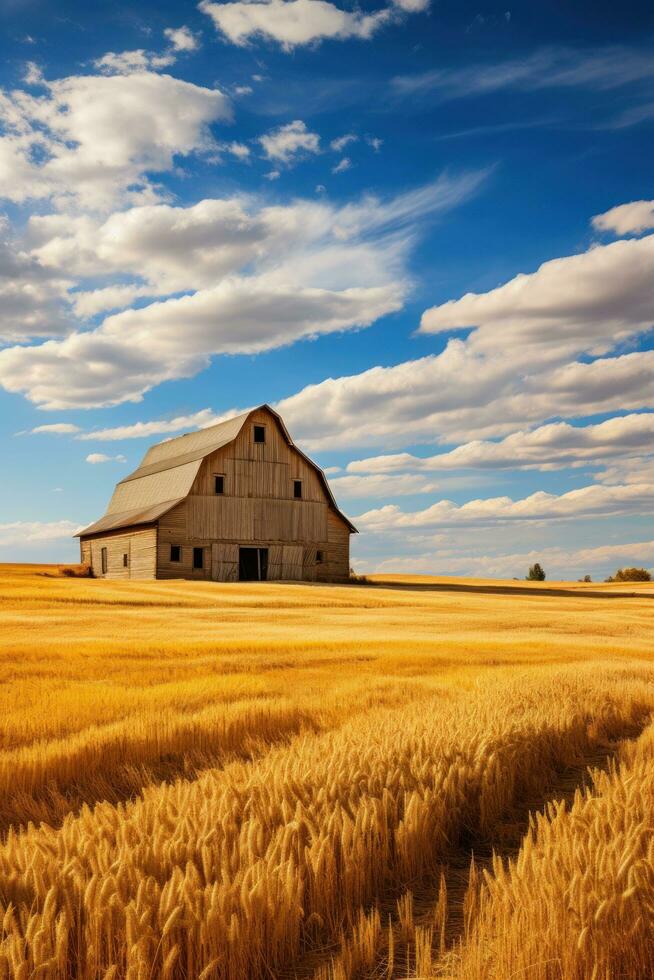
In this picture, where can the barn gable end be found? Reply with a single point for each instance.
(236, 500)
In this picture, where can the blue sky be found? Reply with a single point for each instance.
(422, 230)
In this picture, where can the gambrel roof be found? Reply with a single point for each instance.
(168, 469)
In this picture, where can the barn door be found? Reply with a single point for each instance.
(253, 564)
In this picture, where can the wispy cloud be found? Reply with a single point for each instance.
(600, 69)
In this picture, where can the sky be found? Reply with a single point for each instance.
(423, 231)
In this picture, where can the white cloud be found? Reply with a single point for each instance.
(458, 395)
(342, 166)
(272, 175)
(339, 144)
(382, 485)
(586, 502)
(33, 74)
(412, 6)
(639, 469)
(35, 532)
(548, 447)
(602, 69)
(136, 349)
(292, 22)
(559, 563)
(182, 38)
(143, 430)
(588, 302)
(128, 62)
(56, 145)
(282, 273)
(94, 301)
(626, 219)
(238, 150)
(32, 297)
(54, 428)
(103, 458)
(243, 90)
(375, 143)
(289, 143)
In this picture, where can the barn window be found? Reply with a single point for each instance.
(175, 552)
(320, 557)
(219, 484)
(125, 560)
(198, 558)
(259, 433)
(103, 560)
(297, 489)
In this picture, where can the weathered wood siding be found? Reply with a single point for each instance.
(257, 509)
(140, 546)
(338, 547)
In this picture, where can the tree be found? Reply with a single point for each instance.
(586, 578)
(536, 573)
(630, 575)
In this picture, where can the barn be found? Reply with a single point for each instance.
(237, 501)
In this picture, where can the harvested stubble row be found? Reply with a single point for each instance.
(240, 872)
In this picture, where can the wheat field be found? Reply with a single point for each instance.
(413, 778)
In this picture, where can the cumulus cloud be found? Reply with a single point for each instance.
(626, 219)
(33, 300)
(289, 143)
(589, 301)
(638, 469)
(378, 485)
(548, 447)
(586, 502)
(136, 349)
(142, 430)
(35, 532)
(182, 38)
(310, 269)
(51, 145)
(127, 62)
(576, 306)
(103, 458)
(560, 563)
(292, 23)
(54, 428)
(460, 395)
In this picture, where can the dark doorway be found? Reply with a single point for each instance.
(252, 564)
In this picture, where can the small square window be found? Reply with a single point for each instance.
(175, 552)
(297, 489)
(103, 559)
(259, 433)
(125, 560)
(219, 484)
(198, 558)
(320, 557)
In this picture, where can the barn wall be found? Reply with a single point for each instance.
(257, 509)
(338, 547)
(85, 552)
(139, 545)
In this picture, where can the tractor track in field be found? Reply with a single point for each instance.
(505, 843)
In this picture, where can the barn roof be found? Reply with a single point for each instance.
(168, 469)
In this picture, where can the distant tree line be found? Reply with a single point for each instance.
(536, 573)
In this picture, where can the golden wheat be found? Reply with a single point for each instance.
(281, 790)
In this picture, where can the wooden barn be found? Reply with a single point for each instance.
(235, 501)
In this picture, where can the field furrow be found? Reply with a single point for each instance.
(202, 782)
